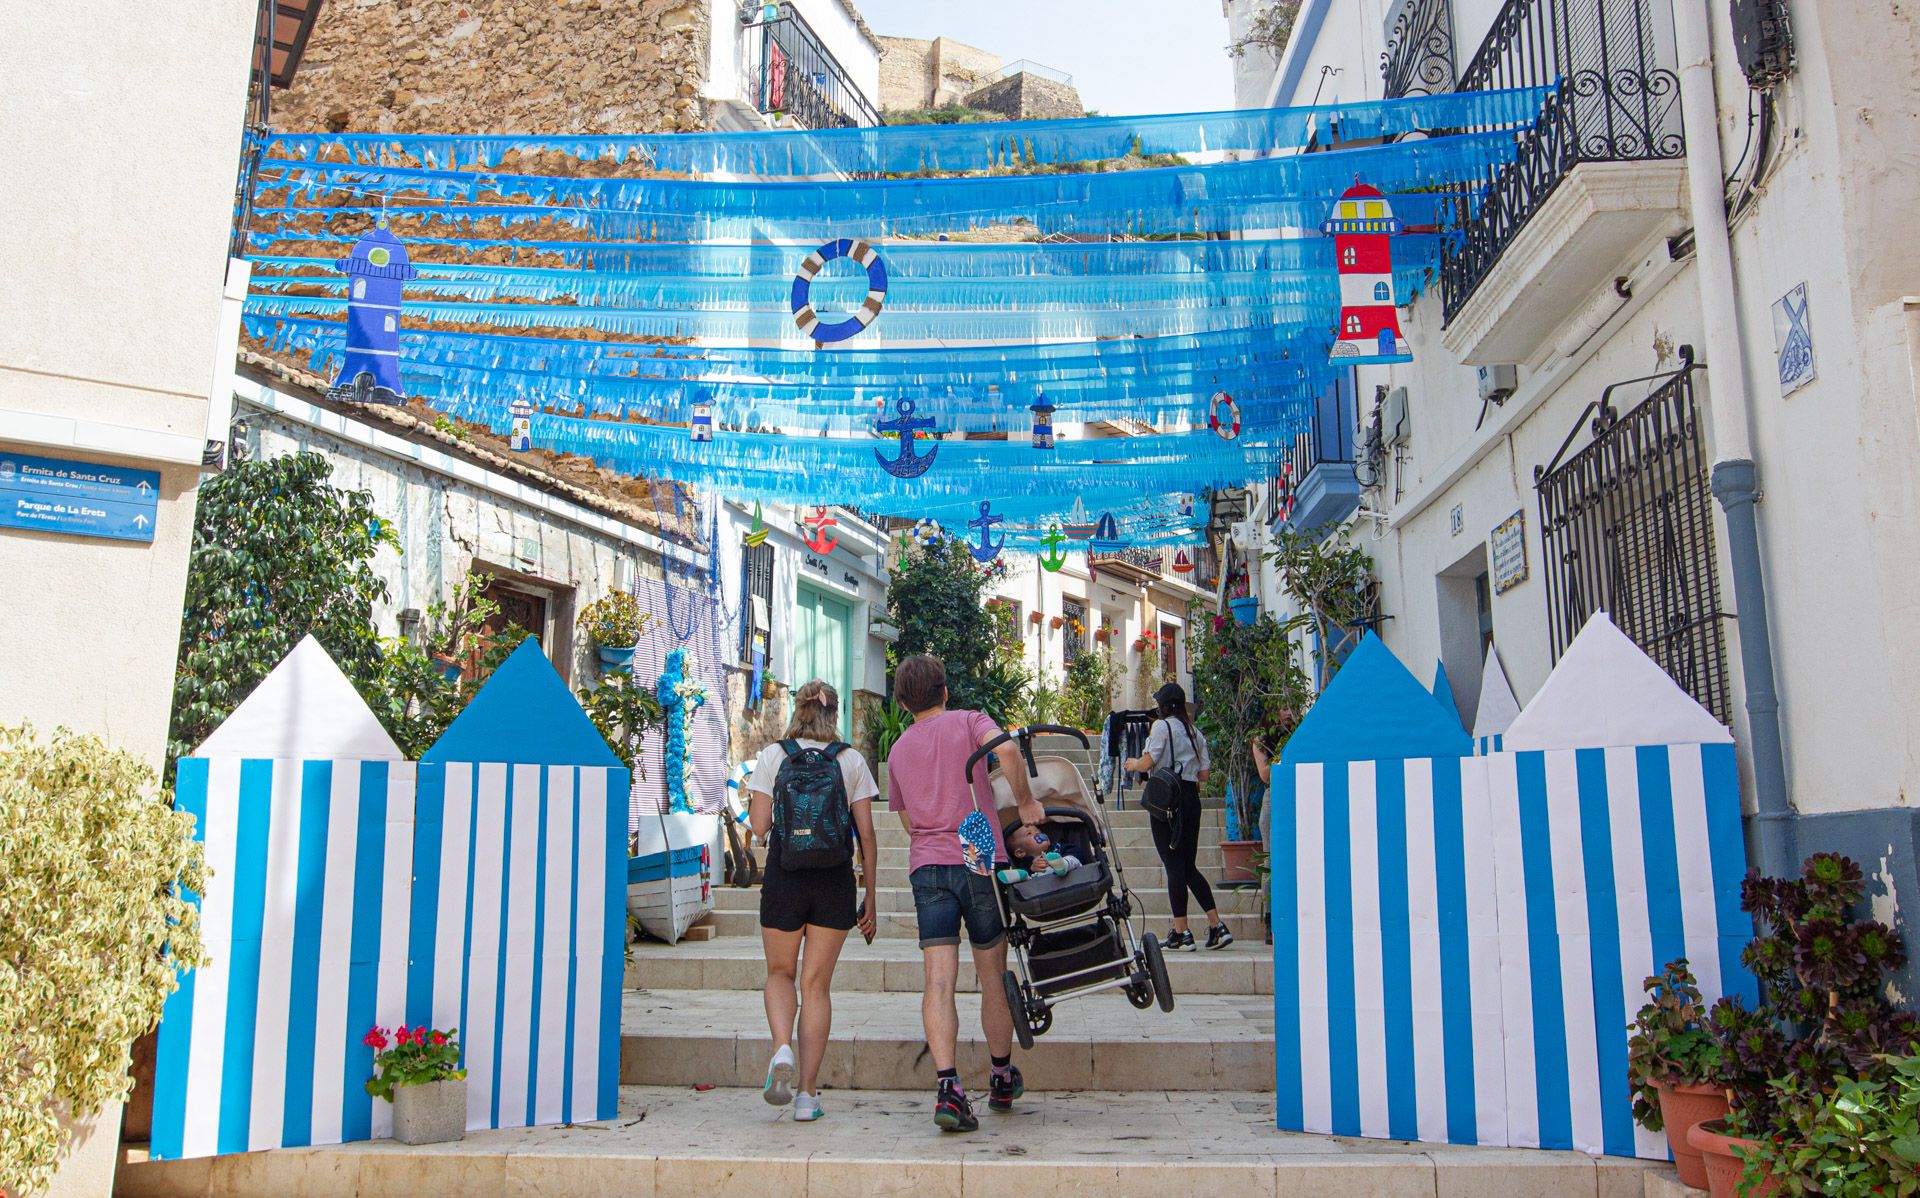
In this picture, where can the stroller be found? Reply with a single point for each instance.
(1072, 934)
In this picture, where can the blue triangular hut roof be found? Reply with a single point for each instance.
(1443, 691)
(1374, 709)
(525, 715)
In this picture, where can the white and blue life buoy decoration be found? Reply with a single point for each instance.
(926, 530)
(863, 255)
(1225, 425)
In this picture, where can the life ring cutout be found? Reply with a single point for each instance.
(1226, 428)
(809, 321)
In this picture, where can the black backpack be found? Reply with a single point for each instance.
(1161, 794)
(812, 823)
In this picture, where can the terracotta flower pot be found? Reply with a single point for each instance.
(1237, 856)
(1683, 1108)
(1716, 1149)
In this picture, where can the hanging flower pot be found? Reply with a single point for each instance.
(615, 658)
(1246, 610)
(1057, 622)
(1034, 618)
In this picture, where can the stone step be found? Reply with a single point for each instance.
(894, 966)
(1100, 1042)
(1144, 872)
(1131, 818)
(727, 1143)
(1133, 859)
(900, 924)
(891, 835)
(1152, 903)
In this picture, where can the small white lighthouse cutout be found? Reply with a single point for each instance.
(1362, 225)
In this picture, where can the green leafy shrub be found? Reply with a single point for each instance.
(278, 553)
(934, 599)
(1671, 1043)
(886, 723)
(94, 928)
(1248, 682)
(1861, 1140)
(412, 694)
(1086, 696)
(624, 711)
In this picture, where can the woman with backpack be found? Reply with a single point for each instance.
(810, 795)
(1174, 743)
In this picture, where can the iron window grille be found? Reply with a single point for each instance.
(758, 623)
(1626, 527)
(1073, 640)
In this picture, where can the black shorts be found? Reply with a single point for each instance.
(790, 899)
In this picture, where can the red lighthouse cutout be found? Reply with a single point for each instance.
(1362, 225)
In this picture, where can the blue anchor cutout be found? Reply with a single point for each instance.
(988, 548)
(908, 464)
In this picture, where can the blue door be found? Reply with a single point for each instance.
(1386, 341)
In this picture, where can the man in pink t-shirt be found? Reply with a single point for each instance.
(926, 783)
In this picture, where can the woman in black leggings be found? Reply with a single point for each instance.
(1174, 739)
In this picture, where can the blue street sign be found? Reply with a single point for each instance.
(83, 499)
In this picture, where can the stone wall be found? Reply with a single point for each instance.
(921, 73)
(502, 66)
(1028, 97)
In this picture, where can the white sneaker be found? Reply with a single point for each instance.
(779, 1090)
(806, 1107)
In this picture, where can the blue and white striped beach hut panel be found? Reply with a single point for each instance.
(1496, 709)
(518, 909)
(1386, 945)
(1616, 809)
(690, 620)
(1465, 939)
(305, 809)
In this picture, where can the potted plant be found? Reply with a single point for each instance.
(886, 723)
(1034, 618)
(1825, 1021)
(1674, 1063)
(1247, 682)
(418, 1070)
(615, 623)
(1056, 622)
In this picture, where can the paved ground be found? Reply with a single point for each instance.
(727, 1143)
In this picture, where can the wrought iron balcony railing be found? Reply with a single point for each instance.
(789, 71)
(1615, 98)
(1143, 561)
(1418, 60)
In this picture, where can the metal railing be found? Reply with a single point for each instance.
(1418, 60)
(1328, 440)
(1626, 527)
(1615, 98)
(1146, 561)
(789, 71)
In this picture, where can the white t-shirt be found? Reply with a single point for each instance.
(853, 771)
(1188, 754)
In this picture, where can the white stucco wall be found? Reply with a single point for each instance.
(727, 81)
(1840, 518)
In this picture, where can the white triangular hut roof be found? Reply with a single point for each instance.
(1606, 693)
(1498, 707)
(305, 710)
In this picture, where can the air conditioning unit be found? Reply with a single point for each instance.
(1393, 419)
(1498, 382)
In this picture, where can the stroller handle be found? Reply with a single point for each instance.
(1025, 737)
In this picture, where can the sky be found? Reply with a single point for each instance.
(1126, 56)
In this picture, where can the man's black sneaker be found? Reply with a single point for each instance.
(1218, 936)
(952, 1111)
(1179, 942)
(1004, 1089)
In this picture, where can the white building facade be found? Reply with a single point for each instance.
(1599, 360)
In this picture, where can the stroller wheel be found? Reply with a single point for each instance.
(1157, 970)
(1140, 992)
(1017, 1004)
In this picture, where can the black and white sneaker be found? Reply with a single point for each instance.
(1179, 942)
(952, 1111)
(1217, 936)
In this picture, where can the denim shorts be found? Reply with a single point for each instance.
(945, 896)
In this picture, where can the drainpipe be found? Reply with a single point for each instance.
(1735, 477)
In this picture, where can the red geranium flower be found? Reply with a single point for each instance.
(375, 1038)
(439, 1038)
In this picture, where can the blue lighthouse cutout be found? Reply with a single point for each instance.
(378, 268)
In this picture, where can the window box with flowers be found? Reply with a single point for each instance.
(418, 1070)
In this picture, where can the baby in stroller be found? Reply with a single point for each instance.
(1032, 852)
